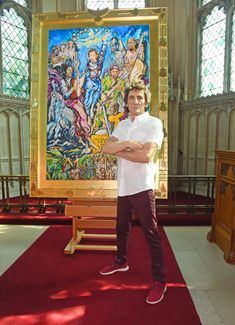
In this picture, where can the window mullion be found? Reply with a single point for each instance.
(1, 74)
(199, 56)
(227, 56)
(212, 52)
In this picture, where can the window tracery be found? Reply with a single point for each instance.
(216, 47)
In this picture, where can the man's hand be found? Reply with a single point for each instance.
(133, 145)
(113, 146)
(144, 155)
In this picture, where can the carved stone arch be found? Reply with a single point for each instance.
(22, 11)
(221, 110)
(201, 139)
(16, 115)
(5, 142)
(25, 124)
(221, 136)
(230, 8)
(232, 110)
(15, 143)
(192, 136)
(231, 127)
(214, 109)
(207, 9)
(200, 114)
(5, 112)
(211, 112)
(12, 111)
(195, 112)
(25, 115)
(26, 112)
(211, 131)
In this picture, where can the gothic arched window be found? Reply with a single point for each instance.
(15, 26)
(114, 4)
(21, 2)
(217, 47)
(232, 63)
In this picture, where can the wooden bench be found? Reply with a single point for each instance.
(88, 217)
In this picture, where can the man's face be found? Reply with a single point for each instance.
(114, 73)
(136, 103)
(56, 51)
(70, 44)
(113, 41)
(93, 56)
(62, 47)
(69, 72)
(131, 44)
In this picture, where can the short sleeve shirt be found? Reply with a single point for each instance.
(135, 177)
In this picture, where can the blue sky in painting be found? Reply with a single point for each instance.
(88, 37)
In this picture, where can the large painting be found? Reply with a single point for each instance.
(80, 68)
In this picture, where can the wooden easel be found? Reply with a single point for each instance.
(91, 215)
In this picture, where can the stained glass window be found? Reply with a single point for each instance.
(212, 53)
(15, 60)
(204, 2)
(111, 4)
(131, 4)
(21, 2)
(100, 4)
(232, 68)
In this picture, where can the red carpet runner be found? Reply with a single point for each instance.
(44, 286)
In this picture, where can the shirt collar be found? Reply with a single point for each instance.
(140, 118)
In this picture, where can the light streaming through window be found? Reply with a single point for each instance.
(204, 2)
(212, 53)
(15, 61)
(131, 4)
(111, 4)
(232, 80)
(21, 2)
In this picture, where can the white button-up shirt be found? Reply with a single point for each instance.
(135, 177)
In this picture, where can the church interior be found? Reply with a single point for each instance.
(198, 216)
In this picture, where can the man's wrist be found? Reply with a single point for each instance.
(127, 146)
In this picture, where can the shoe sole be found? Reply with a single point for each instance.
(114, 271)
(155, 302)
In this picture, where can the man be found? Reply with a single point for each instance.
(135, 142)
(74, 99)
(118, 51)
(134, 66)
(112, 96)
(93, 80)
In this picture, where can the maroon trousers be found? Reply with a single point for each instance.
(143, 205)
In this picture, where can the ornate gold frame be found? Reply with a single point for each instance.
(156, 18)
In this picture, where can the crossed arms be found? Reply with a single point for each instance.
(130, 150)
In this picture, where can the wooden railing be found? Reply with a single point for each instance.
(186, 194)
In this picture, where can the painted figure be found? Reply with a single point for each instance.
(71, 91)
(118, 51)
(112, 97)
(134, 59)
(93, 79)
